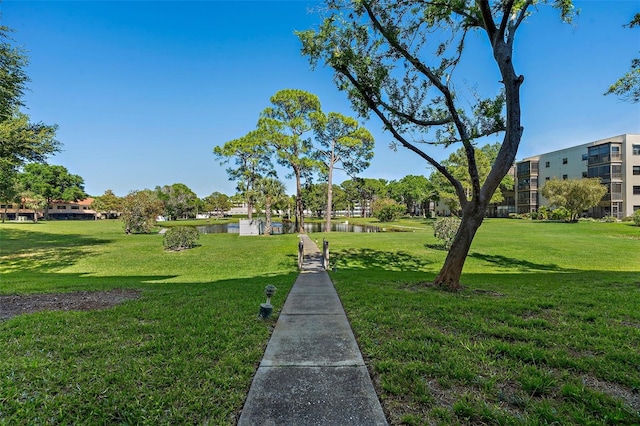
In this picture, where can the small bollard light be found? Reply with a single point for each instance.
(267, 308)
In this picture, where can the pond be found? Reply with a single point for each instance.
(287, 228)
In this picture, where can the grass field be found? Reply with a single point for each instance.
(547, 329)
(184, 353)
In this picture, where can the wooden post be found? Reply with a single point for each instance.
(325, 254)
(300, 254)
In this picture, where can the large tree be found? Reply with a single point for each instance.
(218, 203)
(252, 158)
(343, 145)
(9, 187)
(413, 191)
(21, 141)
(52, 183)
(287, 125)
(364, 191)
(178, 199)
(108, 203)
(400, 61)
(575, 195)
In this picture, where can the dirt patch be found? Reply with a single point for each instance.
(488, 293)
(631, 398)
(13, 305)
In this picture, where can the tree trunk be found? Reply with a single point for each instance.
(327, 227)
(299, 207)
(267, 214)
(449, 276)
(474, 209)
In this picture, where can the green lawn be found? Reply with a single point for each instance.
(184, 353)
(547, 329)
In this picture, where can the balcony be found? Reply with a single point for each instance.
(605, 158)
(614, 196)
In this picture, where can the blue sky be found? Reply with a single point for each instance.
(143, 91)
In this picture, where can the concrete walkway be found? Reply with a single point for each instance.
(312, 372)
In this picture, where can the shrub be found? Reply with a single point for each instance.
(180, 238)
(609, 219)
(560, 213)
(543, 213)
(445, 230)
(139, 211)
(636, 217)
(387, 210)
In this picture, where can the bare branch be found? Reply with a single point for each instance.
(487, 17)
(521, 15)
(389, 126)
(506, 12)
(411, 118)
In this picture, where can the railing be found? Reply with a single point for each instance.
(615, 196)
(605, 158)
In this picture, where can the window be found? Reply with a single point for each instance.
(546, 164)
(565, 160)
(524, 168)
(585, 174)
(61, 207)
(523, 184)
(524, 197)
(75, 207)
(636, 190)
(565, 177)
(599, 154)
(636, 170)
(635, 208)
(603, 172)
(547, 178)
(636, 149)
(585, 157)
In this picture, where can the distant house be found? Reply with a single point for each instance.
(73, 210)
(60, 210)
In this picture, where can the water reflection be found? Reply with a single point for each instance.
(287, 228)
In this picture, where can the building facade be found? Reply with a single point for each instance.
(61, 210)
(615, 160)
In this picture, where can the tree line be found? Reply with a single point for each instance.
(294, 132)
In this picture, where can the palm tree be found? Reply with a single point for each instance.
(270, 191)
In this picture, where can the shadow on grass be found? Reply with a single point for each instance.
(39, 251)
(518, 264)
(368, 258)
(181, 353)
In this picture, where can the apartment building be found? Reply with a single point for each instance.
(62, 210)
(615, 160)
